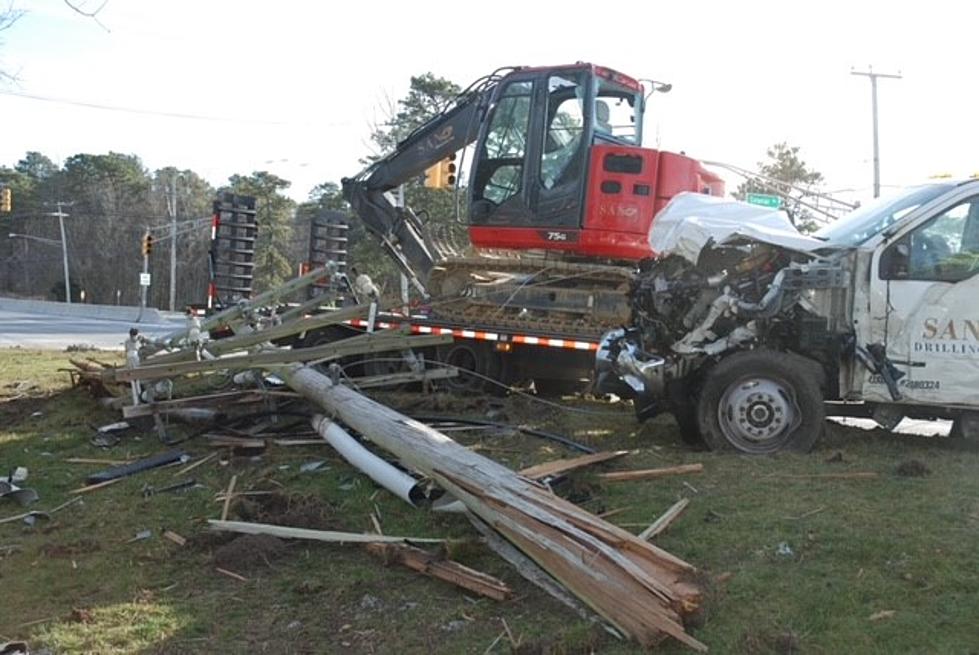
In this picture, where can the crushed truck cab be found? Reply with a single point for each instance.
(746, 330)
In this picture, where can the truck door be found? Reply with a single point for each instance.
(925, 304)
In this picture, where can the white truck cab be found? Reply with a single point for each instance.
(747, 331)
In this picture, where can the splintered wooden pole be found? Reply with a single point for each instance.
(664, 521)
(640, 589)
(443, 569)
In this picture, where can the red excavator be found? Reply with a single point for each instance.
(561, 197)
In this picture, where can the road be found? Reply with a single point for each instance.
(47, 331)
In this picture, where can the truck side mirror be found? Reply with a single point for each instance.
(895, 260)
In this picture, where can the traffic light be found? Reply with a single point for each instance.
(147, 245)
(442, 175)
(5, 200)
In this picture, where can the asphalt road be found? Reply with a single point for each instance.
(47, 331)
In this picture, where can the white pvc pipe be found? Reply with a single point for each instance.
(393, 479)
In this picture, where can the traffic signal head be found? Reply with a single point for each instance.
(147, 245)
(5, 200)
(442, 175)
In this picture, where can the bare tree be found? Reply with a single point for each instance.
(8, 17)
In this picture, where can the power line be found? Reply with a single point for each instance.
(135, 110)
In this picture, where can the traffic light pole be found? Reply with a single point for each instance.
(146, 269)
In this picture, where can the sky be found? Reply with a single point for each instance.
(294, 86)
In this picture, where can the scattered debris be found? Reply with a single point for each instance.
(555, 533)
(194, 465)
(663, 522)
(21, 495)
(784, 550)
(913, 468)
(648, 474)
(140, 465)
(835, 458)
(231, 574)
(228, 496)
(315, 535)
(170, 535)
(881, 615)
(150, 490)
(806, 514)
(142, 535)
(443, 569)
(561, 466)
(312, 467)
(93, 487)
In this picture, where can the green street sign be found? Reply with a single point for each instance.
(764, 200)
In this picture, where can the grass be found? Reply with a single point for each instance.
(77, 584)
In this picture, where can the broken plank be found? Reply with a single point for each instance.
(647, 474)
(330, 536)
(93, 487)
(228, 496)
(443, 569)
(559, 466)
(664, 521)
(194, 465)
(95, 460)
(170, 535)
(163, 406)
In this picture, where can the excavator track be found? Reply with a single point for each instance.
(532, 294)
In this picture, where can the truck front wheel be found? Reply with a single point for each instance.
(759, 402)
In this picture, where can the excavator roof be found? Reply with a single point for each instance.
(601, 71)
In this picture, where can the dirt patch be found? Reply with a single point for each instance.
(913, 469)
(71, 549)
(293, 510)
(249, 551)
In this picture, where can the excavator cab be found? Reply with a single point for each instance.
(532, 163)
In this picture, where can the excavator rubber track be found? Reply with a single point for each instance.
(533, 294)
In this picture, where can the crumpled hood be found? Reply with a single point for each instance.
(692, 220)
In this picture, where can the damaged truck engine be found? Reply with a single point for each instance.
(742, 328)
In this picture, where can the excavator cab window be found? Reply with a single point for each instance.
(617, 113)
(500, 174)
(561, 156)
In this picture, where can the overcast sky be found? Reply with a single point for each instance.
(293, 86)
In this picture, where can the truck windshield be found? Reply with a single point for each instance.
(870, 220)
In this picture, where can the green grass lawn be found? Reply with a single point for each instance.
(907, 547)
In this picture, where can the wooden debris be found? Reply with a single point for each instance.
(228, 496)
(664, 521)
(881, 615)
(559, 466)
(165, 406)
(393, 379)
(190, 467)
(103, 462)
(93, 487)
(648, 474)
(298, 442)
(598, 562)
(316, 535)
(231, 574)
(443, 569)
(224, 441)
(174, 537)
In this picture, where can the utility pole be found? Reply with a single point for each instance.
(146, 245)
(64, 250)
(172, 210)
(869, 73)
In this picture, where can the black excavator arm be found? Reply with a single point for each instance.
(399, 229)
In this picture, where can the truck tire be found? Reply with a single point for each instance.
(761, 401)
(480, 359)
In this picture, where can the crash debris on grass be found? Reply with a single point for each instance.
(292, 394)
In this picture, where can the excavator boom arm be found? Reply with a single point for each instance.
(398, 228)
